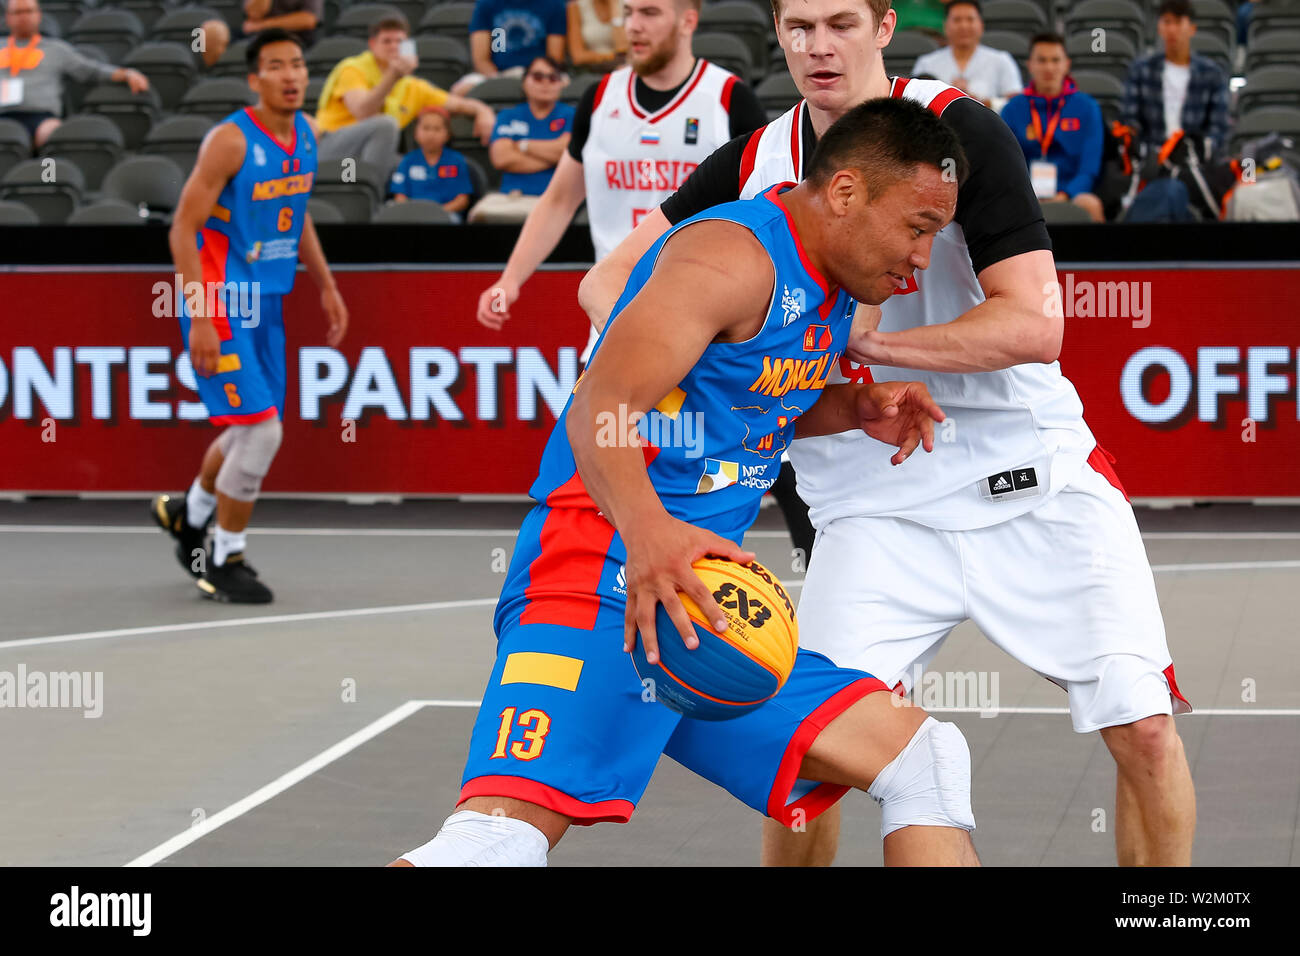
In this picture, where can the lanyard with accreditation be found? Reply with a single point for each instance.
(1042, 173)
(17, 59)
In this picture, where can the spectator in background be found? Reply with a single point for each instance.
(432, 171)
(987, 74)
(506, 35)
(32, 68)
(597, 40)
(1176, 89)
(529, 140)
(1059, 128)
(301, 17)
(216, 38)
(367, 99)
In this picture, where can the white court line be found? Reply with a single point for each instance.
(513, 532)
(304, 770)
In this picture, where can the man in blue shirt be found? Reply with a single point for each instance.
(528, 142)
(1059, 128)
(506, 35)
(432, 171)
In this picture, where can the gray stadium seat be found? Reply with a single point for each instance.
(232, 11)
(178, 138)
(354, 21)
(1214, 18)
(1277, 85)
(577, 85)
(725, 50)
(217, 99)
(52, 201)
(107, 212)
(232, 63)
(1267, 49)
(64, 13)
(326, 53)
(113, 31)
(133, 113)
(153, 182)
(742, 20)
(15, 144)
(483, 183)
(356, 200)
(414, 211)
(1266, 18)
(477, 155)
(1114, 16)
(777, 93)
(1017, 44)
(443, 59)
(74, 90)
(447, 19)
(1059, 212)
(169, 66)
(16, 214)
(1114, 58)
(1216, 48)
(322, 211)
(900, 56)
(1015, 16)
(1266, 119)
(1106, 89)
(500, 92)
(148, 11)
(92, 142)
(178, 24)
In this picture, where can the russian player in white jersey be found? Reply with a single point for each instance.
(1017, 522)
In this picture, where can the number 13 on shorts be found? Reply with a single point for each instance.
(536, 724)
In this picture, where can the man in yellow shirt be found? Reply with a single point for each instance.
(367, 100)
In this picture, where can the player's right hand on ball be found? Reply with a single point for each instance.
(659, 559)
(205, 347)
(494, 304)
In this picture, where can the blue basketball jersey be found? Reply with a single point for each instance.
(253, 231)
(714, 443)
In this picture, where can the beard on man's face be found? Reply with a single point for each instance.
(657, 57)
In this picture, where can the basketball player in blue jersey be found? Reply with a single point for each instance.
(759, 293)
(238, 234)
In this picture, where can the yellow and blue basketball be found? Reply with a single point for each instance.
(727, 675)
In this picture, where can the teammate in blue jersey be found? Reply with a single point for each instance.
(730, 321)
(236, 238)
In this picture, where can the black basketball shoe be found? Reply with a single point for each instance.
(171, 515)
(234, 582)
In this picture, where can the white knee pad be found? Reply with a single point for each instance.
(928, 784)
(470, 838)
(248, 453)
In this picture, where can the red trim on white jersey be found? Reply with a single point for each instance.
(747, 157)
(691, 82)
(600, 91)
(726, 94)
(796, 141)
(938, 100)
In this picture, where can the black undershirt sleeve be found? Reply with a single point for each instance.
(747, 113)
(582, 122)
(716, 180)
(996, 207)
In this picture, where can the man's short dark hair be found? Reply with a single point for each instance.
(886, 139)
(383, 24)
(1177, 8)
(948, 7)
(1046, 37)
(266, 38)
(548, 61)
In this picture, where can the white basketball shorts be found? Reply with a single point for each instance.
(1065, 589)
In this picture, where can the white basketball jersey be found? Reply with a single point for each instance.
(634, 160)
(1025, 421)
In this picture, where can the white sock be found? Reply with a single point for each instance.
(199, 505)
(470, 838)
(225, 544)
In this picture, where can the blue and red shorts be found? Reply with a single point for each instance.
(566, 723)
(249, 384)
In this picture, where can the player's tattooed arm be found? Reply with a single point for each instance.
(715, 281)
(220, 156)
(331, 302)
(896, 413)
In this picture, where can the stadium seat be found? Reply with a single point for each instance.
(332, 9)
(217, 99)
(443, 60)
(477, 155)
(113, 31)
(178, 24)
(15, 144)
(354, 21)
(311, 100)
(356, 200)
(1268, 49)
(1059, 212)
(500, 92)
(92, 142)
(151, 183)
(232, 11)
(1113, 55)
(169, 66)
(1017, 44)
(133, 113)
(727, 51)
(1213, 46)
(325, 54)
(479, 177)
(900, 56)
(178, 138)
(413, 10)
(414, 211)
(64, 13)
(447, 19)
(742, 20)
(232, 63)
(777, 93)
(1015, 16)
(147, 11)
(1265, 120)
(1275, 85)
(1266, 18)
(107, 212)
(1105, 88)
(74, 90)
(51, 27)
(16, 214)
(578, 84)
(1122, 17)
(324, 212)
(1214, 18)
(51, 198)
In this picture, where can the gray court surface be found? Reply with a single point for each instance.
(330, 728)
